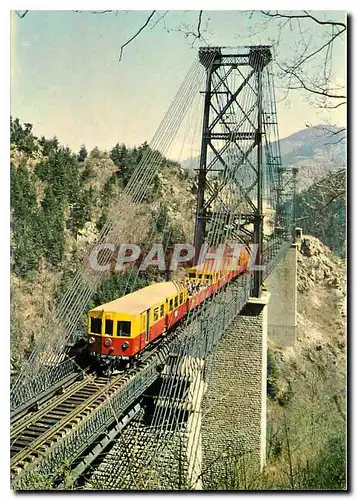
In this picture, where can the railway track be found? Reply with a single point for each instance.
(32, 438)
(32, 427)
(68, 425)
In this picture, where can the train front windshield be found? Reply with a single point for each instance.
(96, 325)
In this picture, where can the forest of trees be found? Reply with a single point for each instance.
(52, 197)
(67, 200)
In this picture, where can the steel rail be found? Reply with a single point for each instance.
(47, 437)
(60, 442)
(75, 391)
(89, 409)
(36, 402)
(78, 428)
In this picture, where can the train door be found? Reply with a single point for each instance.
(147, 329)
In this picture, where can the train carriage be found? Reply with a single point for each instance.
(121, 329)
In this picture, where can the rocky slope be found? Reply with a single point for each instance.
(307, 383)
(33, 295)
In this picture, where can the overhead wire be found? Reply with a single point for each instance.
(161, 414)
(136, 190)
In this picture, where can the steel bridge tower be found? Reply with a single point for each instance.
(239, 168)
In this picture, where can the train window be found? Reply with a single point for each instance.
(200, 276)
(207, 276)
(108, 327)
(162, 310)
(171, 304)
(181, 297)
(123, 328)
(176, 301)
(156, 314)
(96, 325)
(192, 275)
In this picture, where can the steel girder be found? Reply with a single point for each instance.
(232, 139)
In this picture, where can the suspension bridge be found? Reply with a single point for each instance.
(167, 423)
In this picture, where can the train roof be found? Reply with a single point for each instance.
(141, 300)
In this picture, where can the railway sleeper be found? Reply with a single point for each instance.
(78, 399)
(21, 442)
(86, 394)
(72, 401)
(64, 408)
(31, 434)
(40, 426)
(68, 402)
(50, 421)
(60, 412)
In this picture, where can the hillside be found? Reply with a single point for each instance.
(320, 156)
(315, 151)
(321, 210)
(307, 383)
(306, 418)
(60, 200)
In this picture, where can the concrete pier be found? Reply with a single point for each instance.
(234, 405)
(282, 287)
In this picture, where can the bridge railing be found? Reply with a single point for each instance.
(194, 337)
(198, 338)
(27, 394)
(96, 423)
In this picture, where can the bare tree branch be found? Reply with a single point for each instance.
(318, 21)
(309, 66)
(136, 34)
(160, 19)
(300, 16)
(325, 191)
(195, 33)
(23, 14)
(320, 49)
(327, 106)
(93, 11)
(314, 90)
(336, 142)
(333, 132)
(199, 24)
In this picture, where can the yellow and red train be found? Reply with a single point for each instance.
(120, 330)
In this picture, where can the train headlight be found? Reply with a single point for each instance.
(107, 342)
(125, 345)
(91, 340)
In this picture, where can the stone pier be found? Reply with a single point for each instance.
(234, 405)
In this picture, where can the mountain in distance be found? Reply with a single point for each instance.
(315, 151)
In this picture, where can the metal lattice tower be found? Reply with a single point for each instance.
(240, 163)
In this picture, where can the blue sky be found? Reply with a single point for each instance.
(66, 78)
